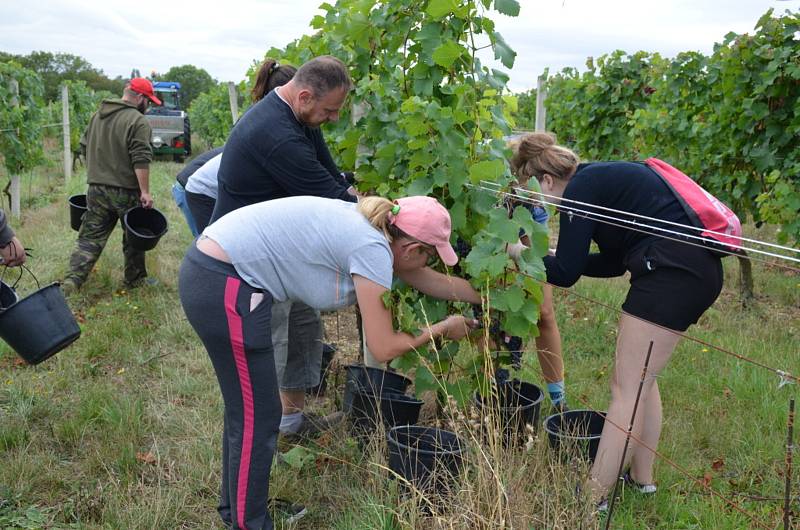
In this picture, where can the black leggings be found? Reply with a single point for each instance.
(218, 304)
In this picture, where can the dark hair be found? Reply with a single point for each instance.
(270, 76)
(323, 74)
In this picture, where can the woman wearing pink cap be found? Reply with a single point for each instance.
(327, 254)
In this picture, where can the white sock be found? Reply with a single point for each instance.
(291, 422)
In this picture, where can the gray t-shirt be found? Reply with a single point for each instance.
(304, 249)
(204, 180)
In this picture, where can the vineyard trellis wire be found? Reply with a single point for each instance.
(636, 226)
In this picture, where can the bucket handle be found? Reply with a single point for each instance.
(22, 268)
(12, 287)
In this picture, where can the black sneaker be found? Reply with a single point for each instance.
(312, 426)
(286, 511)
(148, 281)
(645, 489)
(69, 287)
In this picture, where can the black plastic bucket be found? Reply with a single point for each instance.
(517, 404)
(575, 432)
(144, 227)
(431, 459)
(390, 408)
(77, 209)
(40, 325)
(373, 380)
(8, 296)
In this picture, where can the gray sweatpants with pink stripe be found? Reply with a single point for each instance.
(232, 319)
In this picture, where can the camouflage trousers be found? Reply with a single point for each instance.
(106, 205)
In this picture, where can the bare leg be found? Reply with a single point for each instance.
(293, 401)
(634, 336)
(548, 343)
(642, 459)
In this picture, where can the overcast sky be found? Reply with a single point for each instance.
(226, 37)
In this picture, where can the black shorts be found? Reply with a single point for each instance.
(672, 283)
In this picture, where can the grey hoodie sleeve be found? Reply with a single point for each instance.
(139, 144)
(5, 230)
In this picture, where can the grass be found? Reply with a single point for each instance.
(121, 430)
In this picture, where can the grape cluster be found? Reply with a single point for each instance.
(511, 343)
(349, 177)
(462, 248)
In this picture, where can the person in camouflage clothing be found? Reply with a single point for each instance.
(118, 156)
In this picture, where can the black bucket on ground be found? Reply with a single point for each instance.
(517, 405)
(373, 380)
(431, 459)
(389, 408)
(575, 432)
(8, 296)
(40, 325)
(144, 227)
(77, 209)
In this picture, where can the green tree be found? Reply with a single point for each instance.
(194, 81)
(55, 68)
(525, 117)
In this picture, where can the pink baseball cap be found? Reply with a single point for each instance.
(424, 219)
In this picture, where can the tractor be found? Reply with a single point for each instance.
(172, 134)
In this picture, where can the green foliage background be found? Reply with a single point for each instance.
(194, 81)
(83, 102)
(210, 113)
(55, 68)
(21, 117)
(730, 120)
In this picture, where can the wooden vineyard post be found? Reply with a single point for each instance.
(233, 97)
(66, 131)
(541, 110)
(787, 500)
(15, 183)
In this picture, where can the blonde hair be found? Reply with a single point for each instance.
(378, 212)
(537, 153)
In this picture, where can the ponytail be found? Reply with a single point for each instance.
(378, 212)
(270, 76)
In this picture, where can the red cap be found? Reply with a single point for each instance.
(145, 88)
(424, 219)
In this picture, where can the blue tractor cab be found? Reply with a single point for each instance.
(169, 122)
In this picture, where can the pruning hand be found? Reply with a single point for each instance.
(13, 253)
(456, 327)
